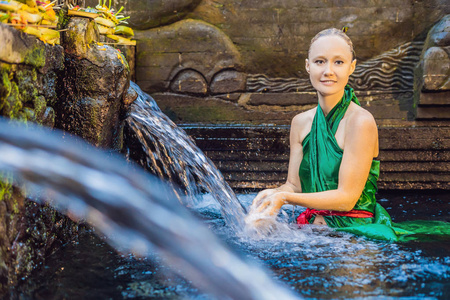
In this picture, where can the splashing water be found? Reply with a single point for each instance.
(321, 263)
(171, 153)
(137, 211)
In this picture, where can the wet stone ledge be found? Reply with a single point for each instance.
(80, 86)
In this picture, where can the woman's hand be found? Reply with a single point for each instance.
(261, 219)
(268, 202)
(261, 195)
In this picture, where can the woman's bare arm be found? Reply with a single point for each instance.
(296, 155)
(296, 136)
(361, 138)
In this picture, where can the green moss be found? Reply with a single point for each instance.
(5, 87)
(34, 105)
(30, 115)
(40, 105)
(13, 103)
(15, 208)
(74, 42)
(63, 18)
(18, 90)
(36, 57)
(26, 79)
(6, 192)
(94, 118)
(94, 115)
(92, 34)
(5, 187)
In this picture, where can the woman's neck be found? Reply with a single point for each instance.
(327, 102)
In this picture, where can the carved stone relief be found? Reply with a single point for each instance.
(432, 75)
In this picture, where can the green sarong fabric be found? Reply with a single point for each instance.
(319, 171)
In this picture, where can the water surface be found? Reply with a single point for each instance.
(317, 263)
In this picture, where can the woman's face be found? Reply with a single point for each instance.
(330, 64)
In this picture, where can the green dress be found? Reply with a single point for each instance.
(319, 171)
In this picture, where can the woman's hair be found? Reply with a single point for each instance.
(334, 31)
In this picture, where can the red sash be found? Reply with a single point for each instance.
(305, 216)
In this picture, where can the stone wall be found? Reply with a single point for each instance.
(273, 36)
(254, 51)
(219, 61)
(29, 70)
(81, 87)
(30, 78)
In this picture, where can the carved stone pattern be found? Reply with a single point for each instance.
(392, 70)
(262, 83)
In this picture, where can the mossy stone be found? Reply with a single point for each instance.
(36, 57)
(63, 18)
(26, 81)
(5, 87)
(13, 104)
(79, 34)
(5, 186)
(40, 105)
(29, 114)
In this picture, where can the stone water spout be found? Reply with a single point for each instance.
(123, 201)
(95, 83)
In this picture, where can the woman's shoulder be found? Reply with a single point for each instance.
(361, 125)
(358, 117)
(301, 124)
(304, 118)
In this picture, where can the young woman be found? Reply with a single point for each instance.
(332, 171)
(332, 146)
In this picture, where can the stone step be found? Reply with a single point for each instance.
(275, 139)
(236, 166)
(385, 155)
(255, 157)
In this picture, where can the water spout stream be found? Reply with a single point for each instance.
(171, 153)
(138, 211)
